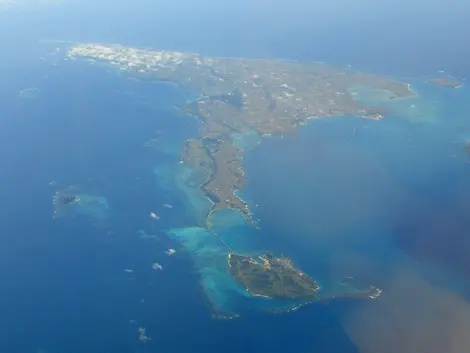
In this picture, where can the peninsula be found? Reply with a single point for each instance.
(239, 95)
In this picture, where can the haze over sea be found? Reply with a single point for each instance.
(337, 203)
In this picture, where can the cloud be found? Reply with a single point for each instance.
(412, 316)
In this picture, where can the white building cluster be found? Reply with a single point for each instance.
(131, 58)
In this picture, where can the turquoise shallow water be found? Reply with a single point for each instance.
(328, 197)
(337, 194)
(64, 288)
(331, 201)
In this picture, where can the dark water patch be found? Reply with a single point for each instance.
(437, 230)
(341, 195)
(91, 140)
(65, 288)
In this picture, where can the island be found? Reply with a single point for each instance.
(72, 202)
(65, 199)
(271, 277)
(239, 95)
(445, 82)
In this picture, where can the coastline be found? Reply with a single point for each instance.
(270, 131)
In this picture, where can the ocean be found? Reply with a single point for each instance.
(332, 200)
(65, 287)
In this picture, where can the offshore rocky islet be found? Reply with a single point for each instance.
(239, 95)
(445, 82)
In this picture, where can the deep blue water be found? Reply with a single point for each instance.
(64, 287)
(387, 37)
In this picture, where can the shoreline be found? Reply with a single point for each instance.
(244, 209)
